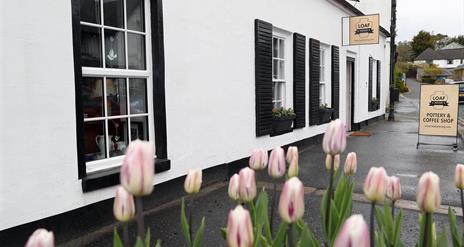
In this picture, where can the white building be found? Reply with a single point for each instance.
(449, 57)
(195, 77)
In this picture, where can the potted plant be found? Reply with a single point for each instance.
(325, 113)
(282, 120)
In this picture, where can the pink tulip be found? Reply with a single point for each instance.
(258, 159)
(247, 187)
(351, 164)
(41, 238)
(193, 181)
(459, 176)
(291, 204)
(137, 171)
(375, 185)
(292, 152)
(428, 192)
(239, 228)
(328, 162)
(276, 167)
(394, 188)
(234, 184)
(123, 207)
(334, 141)
(354, 232)
(292, 160)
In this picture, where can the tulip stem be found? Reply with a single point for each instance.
(192, 197)
(427, 227)
(329, 196)
(290, 235)
(372, 224)
(126, 234)
(393, 210)
(462, 203)
(274, 196)
(140, 221)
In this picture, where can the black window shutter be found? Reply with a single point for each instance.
(263, 77)
(369, 88)
(335, 81)
(314, 80)
(299, 78)
(379, 74)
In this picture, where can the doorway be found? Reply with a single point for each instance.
(350, 93)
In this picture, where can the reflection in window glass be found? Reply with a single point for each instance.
(113, 13)
(116, 92)
(91, 50)
(136, 50)
(139, 128)
(138, 95)
(118, 136)
(135, 20)
(114, 49)
(92, 100)
(94, 140)
(90, 11)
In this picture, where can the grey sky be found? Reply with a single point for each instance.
(439, 16)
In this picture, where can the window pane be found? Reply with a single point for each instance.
(135, 15)
(281, 70)
(275, 68)
(113, 12)
(118, 136)
(139, 128)
(91, 50)
(114, 49)
(92, 97)
(90, 11)
(136, 50)
(116, 96)
(275, 47)
(138, 96)
(281, 48)
(322, 94)
(94, 140)
(322, 74)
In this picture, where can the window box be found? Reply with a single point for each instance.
(325, 115)
(374, 105)
(282, 125)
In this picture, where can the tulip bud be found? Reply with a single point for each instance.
(293, 168)
(351, 164)
(459, 176)
(328, 162)
(291, 204)
(41, 238)
(334, 141)
(239, 228)
(193, 181)
(123, 207)
(276, 167)
(258, 159)
(234, 184)
(138, 170)
(354, 232)
(394, 188)
(247, 187)
(292, 152)
(375, 185)
(428, 192)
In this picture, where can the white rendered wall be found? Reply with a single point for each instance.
(374, 7)
(210, 98)
(444, 63)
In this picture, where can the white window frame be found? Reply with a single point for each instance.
(286, 81)
(374, 78)
(103, 72)
(325, 79)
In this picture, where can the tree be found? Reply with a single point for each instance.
(421, 42)
(441, 40)
(458, 39)
(404, 50)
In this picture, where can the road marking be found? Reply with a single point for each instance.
(407, 175)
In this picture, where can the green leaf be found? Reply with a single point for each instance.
(262, 216)
(158, 243)
(455, 237)
(139, 242)
(199, 234)
(264, 241)
(116, 239)
(224, 233)
(147, 238)
(307, 237)
(397, 231)
(281, 234)
(184, 223)
(442, 240)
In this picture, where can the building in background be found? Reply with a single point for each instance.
(82, 78)
(449, 57)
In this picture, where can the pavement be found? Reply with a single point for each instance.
(391, 144)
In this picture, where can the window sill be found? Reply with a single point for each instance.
(110, 177)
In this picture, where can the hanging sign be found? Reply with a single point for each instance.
(362, 30)
(438, 115)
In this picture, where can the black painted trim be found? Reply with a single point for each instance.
(299, 80)
(159, 91)
(76, 29)
(314, 81)
(335, 81)
(111, 177)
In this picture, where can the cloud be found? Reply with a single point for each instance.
(439, 16)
